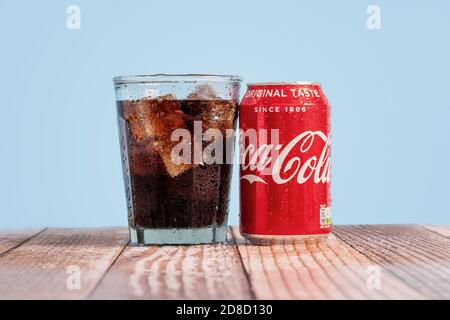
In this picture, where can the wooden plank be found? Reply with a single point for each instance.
(46, 266)
(176, 272)
(443, 230)
(417, 256)
(10, 239)
(324, 270)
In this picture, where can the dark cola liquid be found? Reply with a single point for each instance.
(161, 194)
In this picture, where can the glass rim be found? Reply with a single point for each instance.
(175, 78)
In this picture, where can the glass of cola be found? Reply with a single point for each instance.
(177, 137)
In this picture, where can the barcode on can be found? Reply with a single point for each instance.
(325, 216)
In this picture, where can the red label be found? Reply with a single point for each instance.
(285, 160)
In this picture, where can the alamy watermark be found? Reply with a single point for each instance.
(373, 281)
(73, 21)
(374, 17)
(73, 281)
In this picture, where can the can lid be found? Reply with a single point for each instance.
(283, 83)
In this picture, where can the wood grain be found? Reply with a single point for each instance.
(414, 255)
(176, 272)
(413, 263)
(324, 270)
(44, 267)
(443, 230)
(9, 239)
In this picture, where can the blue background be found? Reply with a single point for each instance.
(389, 88)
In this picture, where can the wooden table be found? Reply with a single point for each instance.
(357, 262)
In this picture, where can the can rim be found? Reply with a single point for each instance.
(283, 83)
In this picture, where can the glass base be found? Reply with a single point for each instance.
(212, 234)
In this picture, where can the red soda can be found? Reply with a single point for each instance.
(285, 163)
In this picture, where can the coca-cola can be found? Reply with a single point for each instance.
(285, 163)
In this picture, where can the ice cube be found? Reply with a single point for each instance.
(138, 116)
(142, 113)
(216, 112)
(164, 147)
(220, 115)
(169, 96)
(203, 92)
(154, 120)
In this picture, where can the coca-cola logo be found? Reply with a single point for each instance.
(285, 163)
